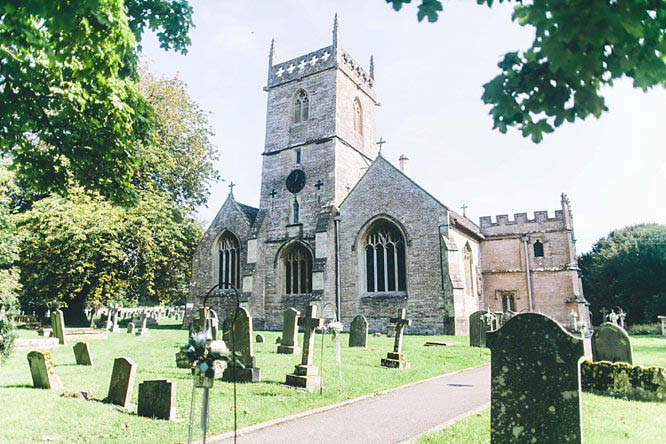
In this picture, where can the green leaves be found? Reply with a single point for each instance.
(579, 48)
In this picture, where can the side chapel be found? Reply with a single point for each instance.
(338, 224)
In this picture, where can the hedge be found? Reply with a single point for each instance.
(622, 380)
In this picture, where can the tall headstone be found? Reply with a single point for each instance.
(122, 382)
(396, 359)
(43, 371)
(358, 332)
(535, 383)
(611, 343)
(242, 366)
(478, 328)
(58, 325)
(115, 328)
(289, 343)
(157, 399)
(130, 327)
(82, 354)
(663, 325)
(214, 323)
(143, 330)
(306, 375)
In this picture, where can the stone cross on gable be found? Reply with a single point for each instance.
(231, 186)
(400, 324)
(380, 143)
(309, 323)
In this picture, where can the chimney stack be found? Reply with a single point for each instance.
(403, 164)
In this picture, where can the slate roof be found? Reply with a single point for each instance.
(249, 211)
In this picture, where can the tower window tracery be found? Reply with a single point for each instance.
(385, 259)
(301, 107)
(297, 270)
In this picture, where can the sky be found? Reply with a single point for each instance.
(429, 80)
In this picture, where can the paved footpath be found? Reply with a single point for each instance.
(392, 417)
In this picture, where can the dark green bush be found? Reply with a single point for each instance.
(622, 380)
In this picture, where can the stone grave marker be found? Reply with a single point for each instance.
(82, 354)
(43, 371)
(115, 328)
(260, 338)
(58, 325)
(214, 322)
(122, 382)
(396, 359)
(143, 330)
(611, 343)
(157, 399)
(535, 381)
(663, 325)
(289, 342)
(478, 328)
(358, 332)
(243, 345)
(130, 328)
(306, 375)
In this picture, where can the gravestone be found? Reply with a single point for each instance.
(143, 330)
(358, 332)
(115, 328)
(663, 325)
(43, 371)
(260, 338)
(396, 359)
(122, 382)
(82, 354)
(58, 325)
(611, 343)
(214, 323)
(478, 328)
(157, 399)
(242, 366)
(289, 342)
(130, 328)
(226, 329)
(306, 375)
(535, 381)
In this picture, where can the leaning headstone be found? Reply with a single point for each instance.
(130, 328)
(42, 371)
(143, 330)
(358, 332)
(289, 342)
(157, 399)
(260, 338)
(122, 382)
(82, 354)
(396, 359)
(306, 375)
(58, 325)
(242, 367)
(611, 343)
(478, 328)
(535, 383)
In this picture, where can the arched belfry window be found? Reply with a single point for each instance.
(229, 261)
(469, 270)
(358, 116)
(301, 107)
(297, 261)
(538, 249)
(385, 258)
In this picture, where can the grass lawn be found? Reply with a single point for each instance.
(605, 420)
(31, 415)
(649, 350)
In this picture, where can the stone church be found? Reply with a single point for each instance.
(340, 226)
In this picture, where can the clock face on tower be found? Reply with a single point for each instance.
(296, 181)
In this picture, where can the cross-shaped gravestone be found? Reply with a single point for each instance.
(289, 341)
(396, 359)
(604, 314)
(306, 375)
(319, 184)
(535, 382)
(143, 330)
(114, 327)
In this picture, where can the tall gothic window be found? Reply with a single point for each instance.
(538, 249)
(301, 107)
(469, 270)
(508, 302)
(358, 117)
(229, 263)
(298, 270)
(385, 259)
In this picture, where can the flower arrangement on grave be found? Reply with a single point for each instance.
(334, 328)
(202, 352)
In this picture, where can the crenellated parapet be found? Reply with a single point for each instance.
(302, 66)
(521, 223)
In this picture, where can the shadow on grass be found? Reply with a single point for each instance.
(16, 386)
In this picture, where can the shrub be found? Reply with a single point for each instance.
(622, 380)
(8, 331)
(644, 329)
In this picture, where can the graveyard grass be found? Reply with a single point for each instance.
(30, 414)
(605, 420)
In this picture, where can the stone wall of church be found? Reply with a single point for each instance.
(466, 300)
(385, 192)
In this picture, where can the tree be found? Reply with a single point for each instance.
(627, 269)
(9, 284)
(579, 47)
(70, 109)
